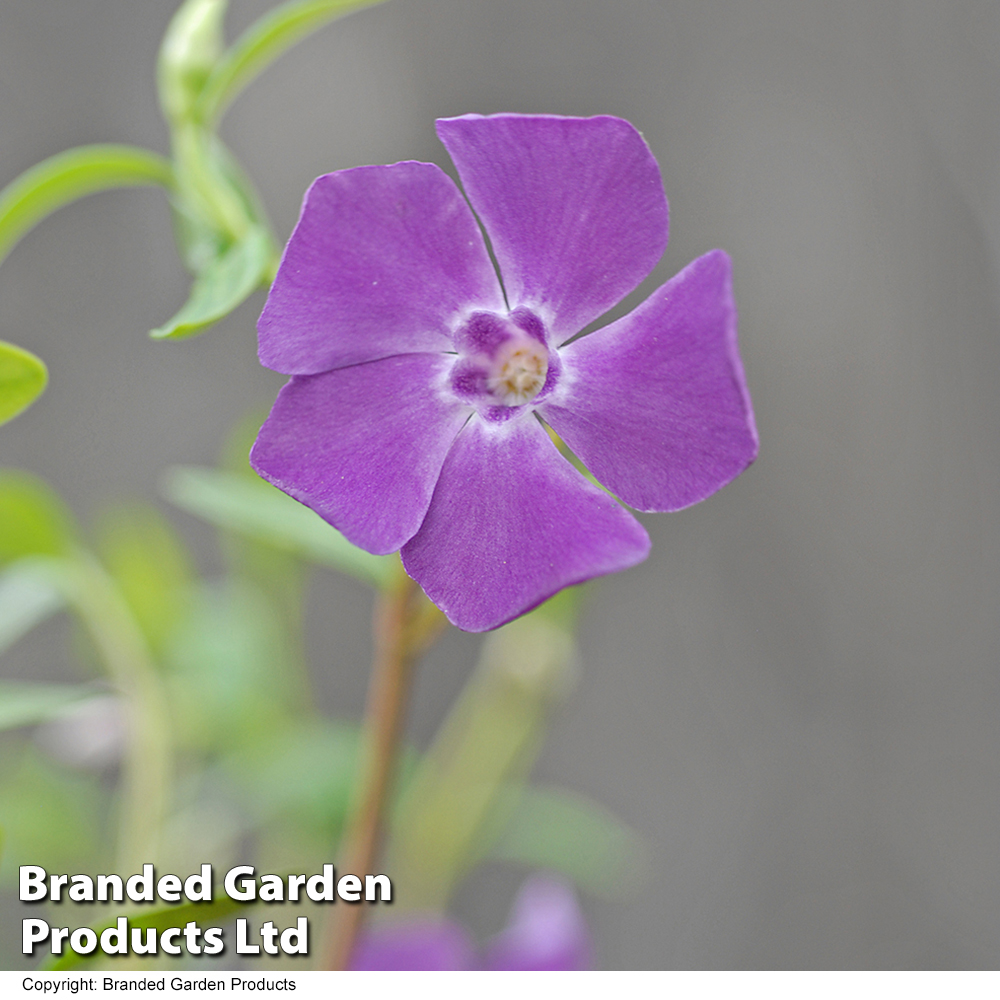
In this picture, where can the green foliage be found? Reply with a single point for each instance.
(190, 49)
(303, 774)
(555, 828)
(65, 177)
(484, 750)
(222, 285)
(222, 232)
(175, 915)
(27, 598)
(227, 670)
(33, 519)
(257, 509)
(262, 43)
(23, 378)
(51, 817)
(150, 566)
(28, 704)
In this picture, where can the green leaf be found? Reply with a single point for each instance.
(236, 503)
(558, 829)
(28, 704)
(150, 566)
(228, 669)
(222, 286)
(190, 50)
(52, 817)
(23, 378)
(176, 915)
(262, 43)
(214, 201)
(482, 752)
(307, 772)
(26, 599)
(33, 519)
(73, 174)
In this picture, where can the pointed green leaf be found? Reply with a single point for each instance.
(236, 503)
(214, 202)
(67, 176)
(23, 378)
(33, 519)
(28, 704)
(560, 830)
(262, 43)
(27, 598)
(222, 286)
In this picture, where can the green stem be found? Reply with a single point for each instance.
(147, 767)
(403, 628)
(263, 42)
(70, 175)
(198, 182)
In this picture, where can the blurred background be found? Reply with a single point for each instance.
(795, 700)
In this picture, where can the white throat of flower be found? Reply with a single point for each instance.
(518, 372)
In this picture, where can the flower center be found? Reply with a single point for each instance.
(518, 372)
(503, 361)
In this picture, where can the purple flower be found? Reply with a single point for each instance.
(546, 931)
(410, 419)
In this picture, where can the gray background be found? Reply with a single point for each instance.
(796, 698)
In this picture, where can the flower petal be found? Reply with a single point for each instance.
(382, 261)
(656, 405)
(363, 446)
(546, 932)
(574, 208)
(427, 945)
(512, 522)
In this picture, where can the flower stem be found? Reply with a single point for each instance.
(147, 766)
(405, 623)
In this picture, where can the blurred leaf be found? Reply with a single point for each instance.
(23, 378)
(257, 509)
(27, 598)
(222, 285)
(280, 575)
(52, 817)
(485, 749)
(151, 567)
(27, 704)
(560, 830)
(262, 43)
(307, 772)
(562, 609)
(177, 915)
(228, 665)
(306, 775)
(33, 519)
(73, 174)
(190, 49)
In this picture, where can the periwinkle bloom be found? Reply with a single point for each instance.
(411, 420)
(546, 932)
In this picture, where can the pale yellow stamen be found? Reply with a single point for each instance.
(520, 374)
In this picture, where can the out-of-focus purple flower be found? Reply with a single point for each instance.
(422, 945)
(546, 932)
(410, 420)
